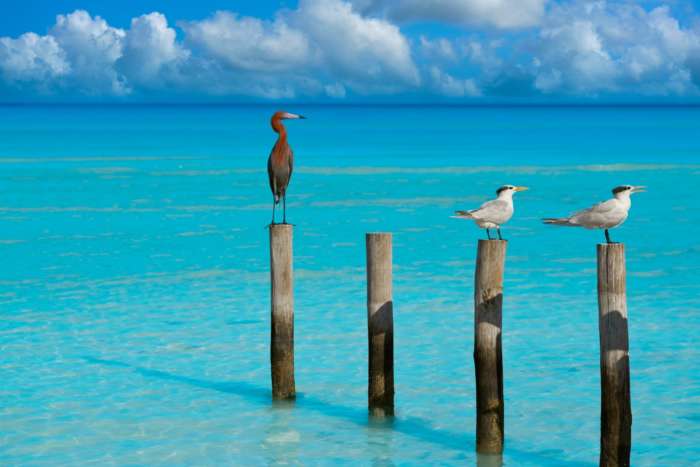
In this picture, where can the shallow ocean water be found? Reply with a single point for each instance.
(134, 286)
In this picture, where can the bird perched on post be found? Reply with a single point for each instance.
(492, 214)
(280, 163)
(606, 215)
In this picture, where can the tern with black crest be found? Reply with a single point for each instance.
(492, 214)
(606, 215)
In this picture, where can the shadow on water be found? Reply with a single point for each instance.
(410, 426)
(240, 388)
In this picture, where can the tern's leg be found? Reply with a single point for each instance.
(498, 229)
(284, 208)
(488, 233)
(607, 236)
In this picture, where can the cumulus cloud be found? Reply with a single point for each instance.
(150, 48)
(340, 48)
(613, 47)
(572, 54)
(497, 13)
(322, 47)
(370, 54)
(32, 58)
(438, 49)
(249, 43)
(91, 47)
(474, 51)
(322, 38)
(482, 54)
(447, 85)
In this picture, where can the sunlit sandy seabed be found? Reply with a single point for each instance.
(134, 284)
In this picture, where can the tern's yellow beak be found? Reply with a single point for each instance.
(521, 188)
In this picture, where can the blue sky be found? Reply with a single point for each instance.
(350, 50)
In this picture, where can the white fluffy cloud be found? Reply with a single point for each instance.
(497, 13)
(323, 47)
(91, 47)
(250, 43)
(613, 47)
(150, 51)
(369, 54)
(580, 48)
(340, 48)
(85, 54)
(32, 58)
(572, 54)
(322, 39)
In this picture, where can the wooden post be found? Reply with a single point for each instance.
(616, 410)
(282, 297)
(489, 460)
(380, 325)
(488, 360)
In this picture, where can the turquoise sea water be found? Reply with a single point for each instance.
(134, 284)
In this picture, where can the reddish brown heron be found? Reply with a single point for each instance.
(280, 163)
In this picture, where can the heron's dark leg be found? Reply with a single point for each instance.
(607, 236)
(274, 203)
(498, 229)
(284, 208)
(488, 233)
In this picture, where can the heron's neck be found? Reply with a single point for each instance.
(278, 150)
(279, 129)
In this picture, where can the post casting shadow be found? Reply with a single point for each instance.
(410, 426)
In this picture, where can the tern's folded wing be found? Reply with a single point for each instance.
(597, 215)
(490, 209)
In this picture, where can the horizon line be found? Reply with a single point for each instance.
(356, 104)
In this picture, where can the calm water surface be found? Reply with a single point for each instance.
(134, 284)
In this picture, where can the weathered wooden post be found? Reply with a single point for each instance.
(489, 460)
(380, 325)
(488, 359)
(282, 297)
(616, 409)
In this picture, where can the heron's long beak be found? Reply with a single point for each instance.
(290, 116)
(521, 188)
(638, 189)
